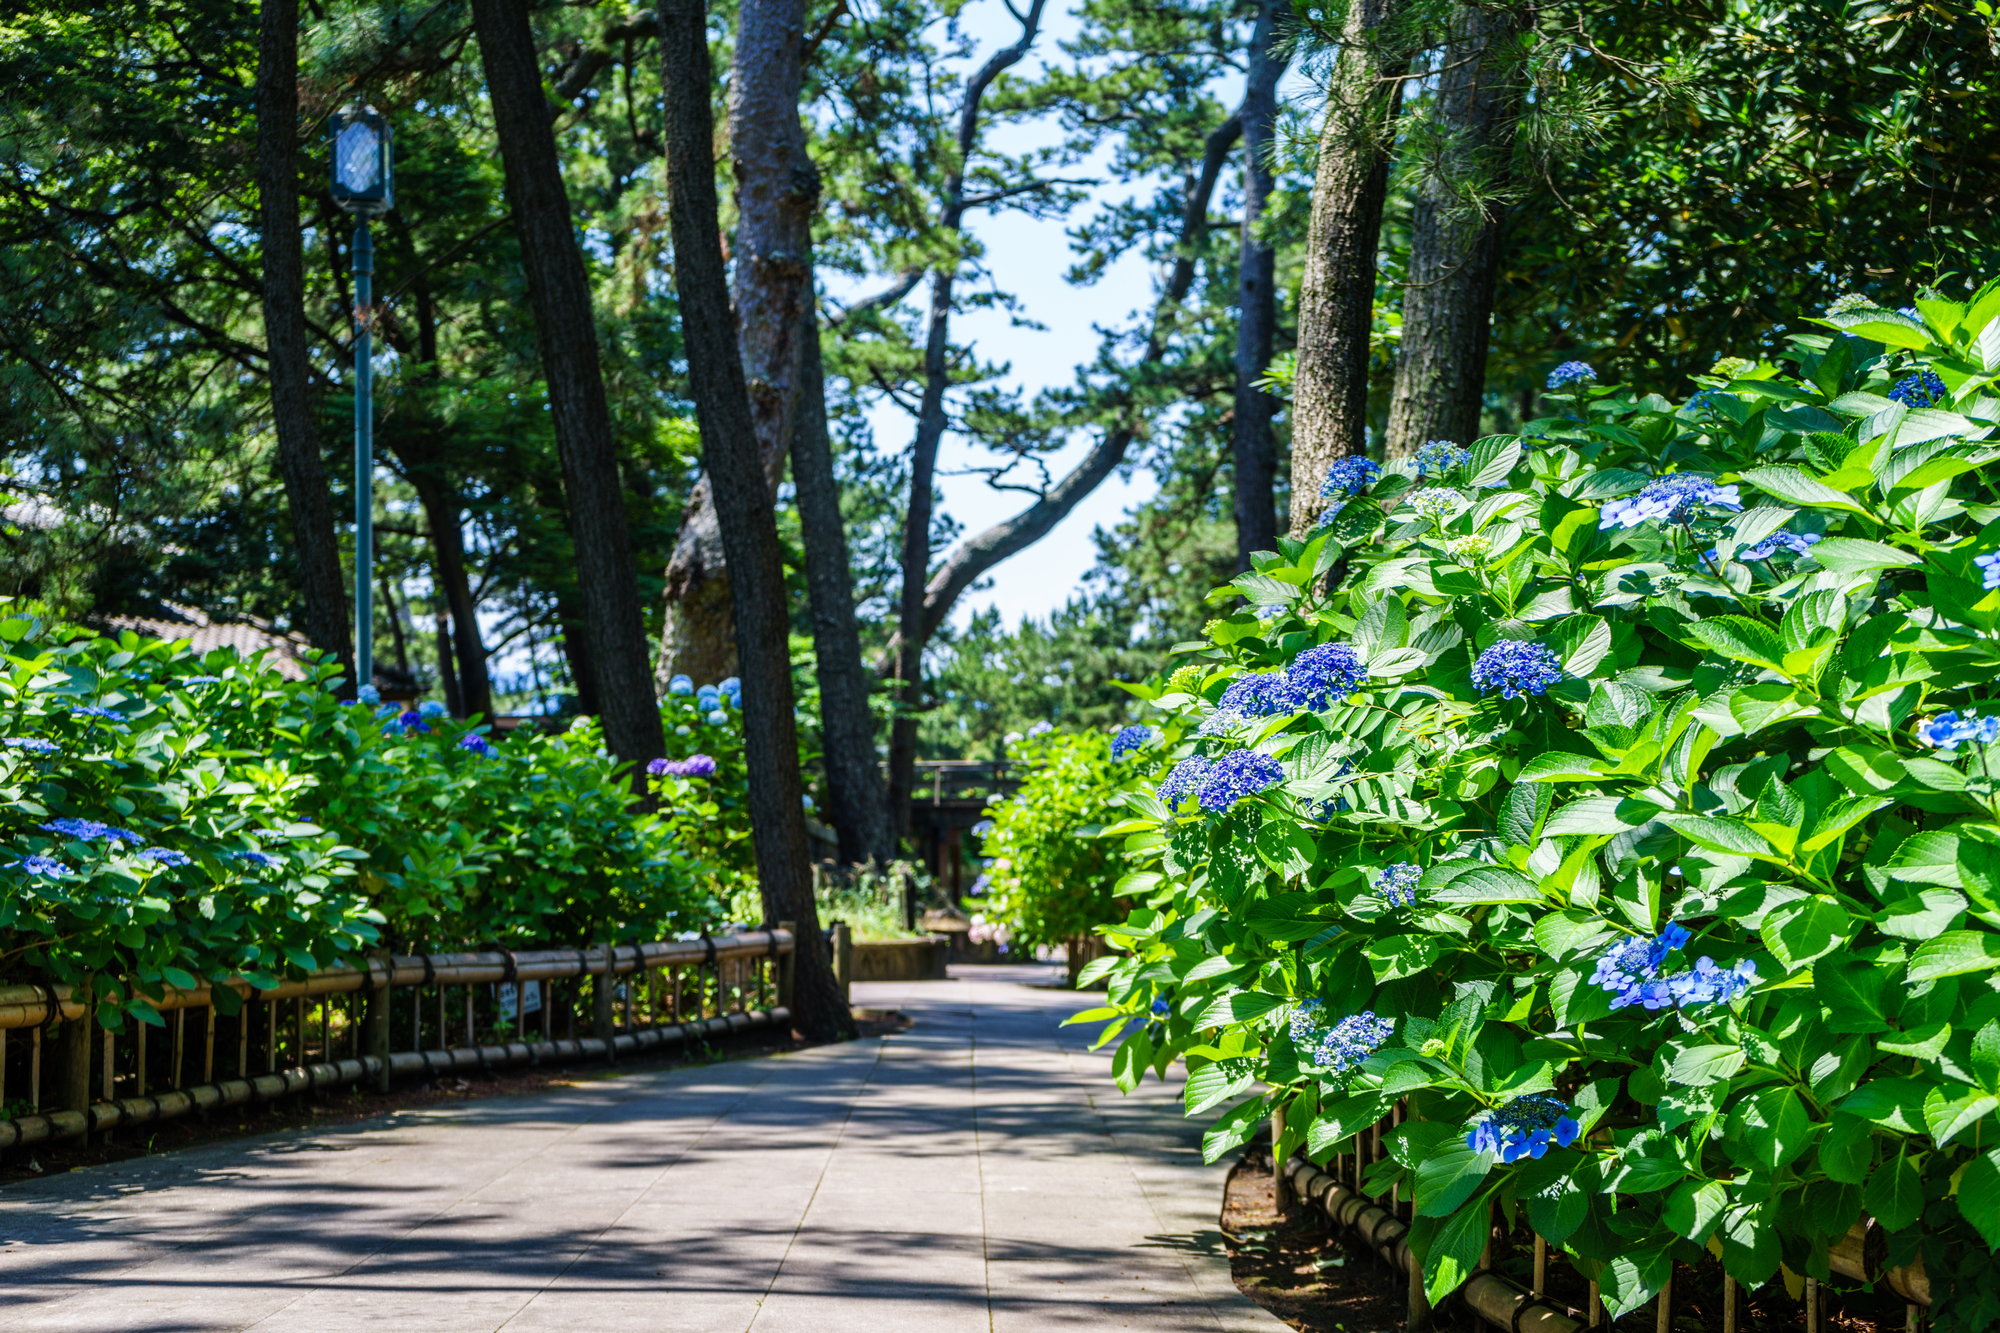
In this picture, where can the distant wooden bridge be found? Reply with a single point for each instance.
(947, 800)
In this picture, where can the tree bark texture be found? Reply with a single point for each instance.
(300, 466)
(777, 192)
(445, 520)
(1337, 290)
(745, 518)
(454, 703)
(907, 653)
(970, 560)
(857, 802)
(1454, 248)
(565, 330)
(576, 649)
(1255, 450)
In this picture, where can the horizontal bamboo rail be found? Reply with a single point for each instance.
(731, 983)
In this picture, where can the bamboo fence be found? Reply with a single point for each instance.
(394, 1016)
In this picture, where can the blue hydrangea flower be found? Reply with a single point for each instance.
(1328, 514)
(1571, 372)
(1349, 476)
(1516, 668)
(732, 686)
(1235, 775)
(1439, 457)
(1319, 678)
(719, 718)
(412, 721)
(1704, 402)
(681, 685)
(92, 711)
(1260, 694)
(1630, 969)
(478, 744)
(201, 680)
(1130, 741)
(368, 694)
(43, 865)
(430, 708)
(1161, 1008)
(1344, 1045)
(1525, 1127)
(34, 745)
(262, 860)
(1182, 782)
(166, 856)
(1706, 983)
(388, 710)
(1923, 389)
(1398, 883)
(1798, 543)
(90, 830)
(1948, 731)
(1989, 570)
(1674, 498)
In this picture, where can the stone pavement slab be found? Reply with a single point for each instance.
(978, 1173)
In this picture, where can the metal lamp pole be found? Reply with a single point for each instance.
(364, 185)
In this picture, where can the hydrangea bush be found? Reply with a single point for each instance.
(1651, 852)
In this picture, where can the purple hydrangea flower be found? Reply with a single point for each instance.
(1349, 476)
(1948, 731)
(1923, 389)
(1673, 498)
(1516, 668)
(1989, 570)
(1235, 775)
(1398, 883)
(1319, 678)
(166, 856)
(1525, 1127)
(33, 745)
(1630, 969)
(478, 744)
(1439, 457)
(694, 766)
(1181, 783)
(43, 865)
(1571, 372)
(1130, 741)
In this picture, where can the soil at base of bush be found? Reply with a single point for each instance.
(1318, 1281)
(340, 1106)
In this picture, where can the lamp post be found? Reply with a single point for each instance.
(364, 185)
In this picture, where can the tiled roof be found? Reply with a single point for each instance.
(249, 636)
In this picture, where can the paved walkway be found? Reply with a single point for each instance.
(977, 1173)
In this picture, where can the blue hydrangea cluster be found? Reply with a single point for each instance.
(1989, 570)
(478, 744)
(1349, 476)
(1798, 543)
(1630, 970)
(33, 745)
(1571, 372)
(1344, 1045)
(1328, 514)
(368, 694)
(1515, 668)
(1160, 1007)
(90, 830)
(1525, 1127)
(43, 865)
(1398, 883)
(1182, 782)
(1130, 741)
(201, 680)
(1320, 677)
(1920, 390)
(430, 708)
(262, 860)
(412, 723)
(165, 856)
(92, 711)
(1235, 775)
(1674, 498)
(1260, 694)
(1439, 457)
(1948, 731)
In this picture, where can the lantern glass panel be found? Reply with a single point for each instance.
(356, 158)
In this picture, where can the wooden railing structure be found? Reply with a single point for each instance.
(393, 1016)
(1381, 1222)
(948, 799)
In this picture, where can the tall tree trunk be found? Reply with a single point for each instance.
(454, 703)
(1256, 454)
(777, 192)
(576, 648)
(299, 462)
(559, 290)
(745, 517)
(394, 606)
(1455, 244)
(858, 805)
(1337, 292)
(441, 513)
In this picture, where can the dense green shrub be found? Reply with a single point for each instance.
(1050, 880)
(169, 819)
(1647, 844)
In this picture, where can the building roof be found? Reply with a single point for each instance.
(249, 636)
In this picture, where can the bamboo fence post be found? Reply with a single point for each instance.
(1418, 1319)
(788, 968)
(444, 1026)
(1663, 1314)
(1595, 1315)
(1815, 1320)
(1281, 1186)
(180, 1044)
(139, 1060)
(376, 1017)
(208, 1048)
(1728, 1304)
(73, 1079)
(471, 1035)
(35, 1069)
(600, 1008)
(3, 1066)
(1541, 1267)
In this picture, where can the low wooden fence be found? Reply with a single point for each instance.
(1382, 1222)
(62, 1076)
